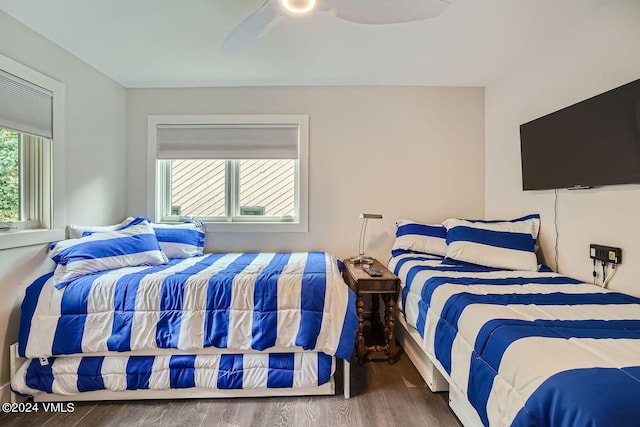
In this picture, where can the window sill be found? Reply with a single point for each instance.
(17, 239)
(257, 227)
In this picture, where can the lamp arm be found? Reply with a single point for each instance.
(363, 232)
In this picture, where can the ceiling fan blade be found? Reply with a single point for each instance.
(387, 12)
(252, 27)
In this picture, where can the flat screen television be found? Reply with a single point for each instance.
(593, 143)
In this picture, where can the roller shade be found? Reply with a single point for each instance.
(227, 141)
(25, 107)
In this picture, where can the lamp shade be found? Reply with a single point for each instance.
(370, 216)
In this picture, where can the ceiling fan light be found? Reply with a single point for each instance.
(299, 6)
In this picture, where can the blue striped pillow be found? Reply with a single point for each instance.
(413, 236)
(500, 244)
(184, 240)
(133, 246)
(181, 240)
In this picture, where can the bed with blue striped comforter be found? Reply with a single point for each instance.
(527, 348)
(240, 302)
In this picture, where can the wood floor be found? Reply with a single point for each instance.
(383, 395)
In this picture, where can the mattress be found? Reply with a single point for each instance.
(527, 348)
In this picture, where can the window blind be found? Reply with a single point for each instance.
(229, 142)
(25, 107)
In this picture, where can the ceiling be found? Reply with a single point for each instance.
(176, 43)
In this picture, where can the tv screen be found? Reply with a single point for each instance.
(592, 143)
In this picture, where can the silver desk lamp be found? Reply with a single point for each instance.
(362, 258)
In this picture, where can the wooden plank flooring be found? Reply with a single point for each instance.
(382, 395)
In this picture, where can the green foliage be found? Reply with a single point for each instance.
(9, 176)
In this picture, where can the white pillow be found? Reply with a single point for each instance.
(75, 231)
(500, 244)
(417, 237)
(133, 246)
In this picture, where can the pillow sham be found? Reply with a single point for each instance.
(423, 238)
(77, 231)
(133, 246)
(181, 240)
(184, 240)
(501, 244)
(535, 224)
(177, 240)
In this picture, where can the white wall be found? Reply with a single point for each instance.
(412, 152)
(95, 161)
(599, 54)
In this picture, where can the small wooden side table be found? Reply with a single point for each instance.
(387, 287)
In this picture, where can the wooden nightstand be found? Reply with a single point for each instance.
(386, 287)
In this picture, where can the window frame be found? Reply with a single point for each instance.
(157, 181)
(53, 212)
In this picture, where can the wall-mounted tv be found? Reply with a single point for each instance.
(593, 143)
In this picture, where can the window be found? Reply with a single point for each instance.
(31, 136)
(25, 168)
(241, 173)
(9, 177)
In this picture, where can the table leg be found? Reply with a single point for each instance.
(360, 347)
(390, 322)
(385, 298)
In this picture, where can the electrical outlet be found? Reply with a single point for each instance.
(608, 254)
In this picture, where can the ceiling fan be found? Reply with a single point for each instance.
(273, 12)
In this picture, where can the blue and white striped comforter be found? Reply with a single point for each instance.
(527, 348)
(234, 301)
(254, 301)
(69, 375)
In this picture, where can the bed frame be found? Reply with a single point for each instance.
(189, 393)
(434, 374)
